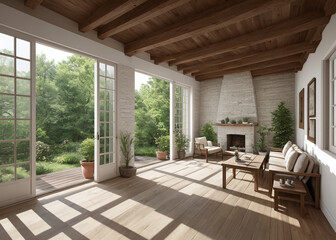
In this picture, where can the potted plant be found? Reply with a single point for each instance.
(126, 141)
(222, 121)
(163, 144)
(227, 120)
(263, 131)
(87, 150)
(181, 142)
(245, 120)
(233, 121)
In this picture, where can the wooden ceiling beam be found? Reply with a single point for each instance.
(274, 70)
(138, 15)
(255, 57)
(299, 24)
(108, 12)
(267, 70)
(251, 66)
(209, 20)
(32, 3)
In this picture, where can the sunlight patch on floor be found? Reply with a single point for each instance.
(150, 225)
(94, 229)
(60, 236)
(119, 209)
(93, 198)
(61, 210)
(184, 232)
(33, 222)
(10, 229)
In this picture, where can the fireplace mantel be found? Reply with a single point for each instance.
(236, 125)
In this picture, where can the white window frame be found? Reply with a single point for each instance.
(332, 103)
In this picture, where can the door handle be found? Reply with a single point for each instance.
(98, 136)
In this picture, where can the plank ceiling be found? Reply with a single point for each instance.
(207, 38)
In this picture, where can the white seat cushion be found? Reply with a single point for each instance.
(202, 141)
(277, 155)
(213, 149)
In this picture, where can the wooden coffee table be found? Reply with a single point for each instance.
(282, 192)
(253, 165)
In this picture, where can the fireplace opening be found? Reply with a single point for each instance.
(236, 142)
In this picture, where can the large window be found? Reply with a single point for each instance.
(332, 104)
(15, 108)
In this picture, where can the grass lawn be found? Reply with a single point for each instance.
(145, 151)
(48, 167)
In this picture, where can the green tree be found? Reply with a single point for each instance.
(282, 125)
(152, 106)
(75, 98)
(46, 95)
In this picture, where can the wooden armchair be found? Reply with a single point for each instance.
(201, 147)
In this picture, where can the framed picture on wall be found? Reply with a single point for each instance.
(312, 98)
(301, 109)
(311, 105)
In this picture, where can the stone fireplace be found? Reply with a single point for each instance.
(235, 141)
(237, 100)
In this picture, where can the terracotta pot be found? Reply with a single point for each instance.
(87, 169)
(161, 155)
(127, 172)
(181, 154)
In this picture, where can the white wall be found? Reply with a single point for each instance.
(313, 68)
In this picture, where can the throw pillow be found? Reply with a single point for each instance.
(301, 164)
(291, 159)
(209, 143)
(288, 152)
(286, 147)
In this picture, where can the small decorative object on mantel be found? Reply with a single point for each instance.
(245, 120)
(237, 159)
(240, 121)
(233, 121)
(222, 121)
(227, 120)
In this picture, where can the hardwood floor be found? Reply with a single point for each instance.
(168, 200)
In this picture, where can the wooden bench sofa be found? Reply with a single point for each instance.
(291, 161)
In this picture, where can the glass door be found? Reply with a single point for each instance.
(105, 122)
(17, 117)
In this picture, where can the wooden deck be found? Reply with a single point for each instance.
(59, 180)
(168, 200)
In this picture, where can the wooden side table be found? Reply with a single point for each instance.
(281, 192)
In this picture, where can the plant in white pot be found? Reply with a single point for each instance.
(126, 141)
(245, 120)
(181, 142)
(87, 165)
